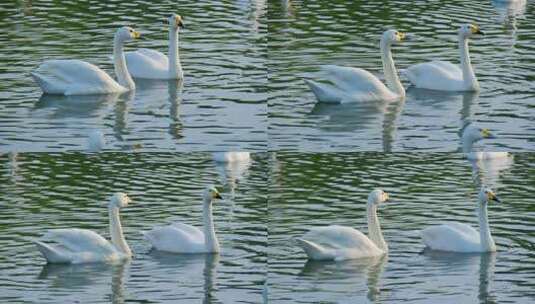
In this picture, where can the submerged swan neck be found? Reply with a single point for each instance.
(116, 231)
(374, 230)
(391, 74)
(469, 77)
(119, 64)
(210, 238)
(175, 69)
(487, 243)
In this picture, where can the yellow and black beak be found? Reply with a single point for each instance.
(179, 22)
(217, 195)
(476, 30)
(402, 36)
(493, 197)
(485, 133)
(136, 34)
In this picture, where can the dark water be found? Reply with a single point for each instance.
(303, 35)
(44, 191)
(220, 106)
(321, 189)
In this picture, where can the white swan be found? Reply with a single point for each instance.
(77, 77)
(445, 76)
(458, 237)
(147, 63)
(356, 85)
(231, 157)
(183, 238)
(342, 243)
(85, 246)
(472, 134)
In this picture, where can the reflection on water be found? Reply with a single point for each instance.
(487, 171)
(319, 189)
(352, 117)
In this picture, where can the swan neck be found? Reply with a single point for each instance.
(210, 238)
(119, 64)
(469, 77)
(391, 74)
(468, 145)
(374, 229)
(175, 69)
(116, 231)
(487, 243)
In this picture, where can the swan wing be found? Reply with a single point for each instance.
(453, 236)
(435, 75)
(178, 238)
(81, 240)
(147, 63)
(339, 237)
(74, 77)
(353, 79)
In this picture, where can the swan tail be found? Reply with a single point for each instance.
(323, 92)
(313, 251)
(51, 254)
(46, 85)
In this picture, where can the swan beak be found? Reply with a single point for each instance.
(493, 197)
(179, 22)
(486, 134)
(217, 195)
(137, 35)
(479, 32)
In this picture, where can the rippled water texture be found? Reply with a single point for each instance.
(320, 189)
(303, 35)
(43, 191)
(220, 106)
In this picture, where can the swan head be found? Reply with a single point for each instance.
(472, 133)
(486, 195)
(120, 200)
(468, 30)
(211, 193)
(175, 21)
(377, 197)
(126, 33)
(393, 37)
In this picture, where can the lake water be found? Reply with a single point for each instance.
(309, 190)
(220, 106)
(303, 35)
(44, 191)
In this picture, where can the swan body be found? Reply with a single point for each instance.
(183, 238)
(151, 64)
(458, 237)
(77, 246)
(342, 243)
(231, 157)
(77, 77)
(472, 134)
(445, 76)
(358, 85)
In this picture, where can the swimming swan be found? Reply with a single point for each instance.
(231, 157)
(183, 238)
(356, 85)
(77, 77)
(458, 237)
(472, 134)
(445, 76)
(150, 64)
(342, 243)
(85, 246)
